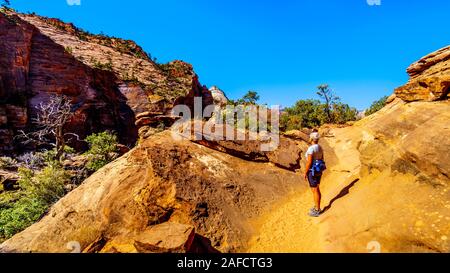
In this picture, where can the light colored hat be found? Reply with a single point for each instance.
(314, 136)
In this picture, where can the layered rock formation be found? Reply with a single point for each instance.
(287, 155)
(109, 80)
(430, 78)
(163, 180)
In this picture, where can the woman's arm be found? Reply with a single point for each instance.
(309, 162)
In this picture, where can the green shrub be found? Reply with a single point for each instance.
(102, 150)
(69, 150)
(8, 198)
(108, 66)
(250, 98)
(46, 185)
(49, 156)
(50, 182)
(305, 113)
(343, 113)
(376, 106)
(69, 50)
(7, 163)
(38, 191)
(290, 122)
(314, 113)
(21, 215)
(25, 178)
(251, 118)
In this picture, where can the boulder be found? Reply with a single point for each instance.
(163, 180)
(148, 114)
(166, 238)
(286, 154)
(297, 135)
(163, 238)
(156, 120)
(430, 78)
(219, 96)
(439, 59)
(391, 98)
(122, 149)
(400, 158)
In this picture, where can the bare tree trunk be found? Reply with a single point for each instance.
(60, 143)
(51, 118)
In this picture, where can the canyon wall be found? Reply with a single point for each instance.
(108, 80)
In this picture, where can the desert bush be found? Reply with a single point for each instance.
(103, 66)
(32, 160)
(46, 185)
(305, 113)
(8, 163)
(314, 113)
(69, 50)
(250, 98)
(376, 106)
(21, 215)
(50, 156)
(229, 116)
(38, 191)
(102, 150)
(343, 113)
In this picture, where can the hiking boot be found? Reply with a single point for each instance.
(314, 213)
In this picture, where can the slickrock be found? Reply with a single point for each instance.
(430, 78)
(163, 180)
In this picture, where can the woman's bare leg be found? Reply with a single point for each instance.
(317, 197)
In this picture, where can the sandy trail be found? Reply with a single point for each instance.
(287, 228)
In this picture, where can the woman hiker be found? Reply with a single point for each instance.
(315, 166)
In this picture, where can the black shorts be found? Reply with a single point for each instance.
(314, 181)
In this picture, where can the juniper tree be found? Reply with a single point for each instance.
(49, 123)
(326, 94)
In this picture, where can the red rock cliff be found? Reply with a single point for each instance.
(109, 80)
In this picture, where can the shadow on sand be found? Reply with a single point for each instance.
(341, 194)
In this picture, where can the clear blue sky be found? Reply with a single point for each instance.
(282, 49)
